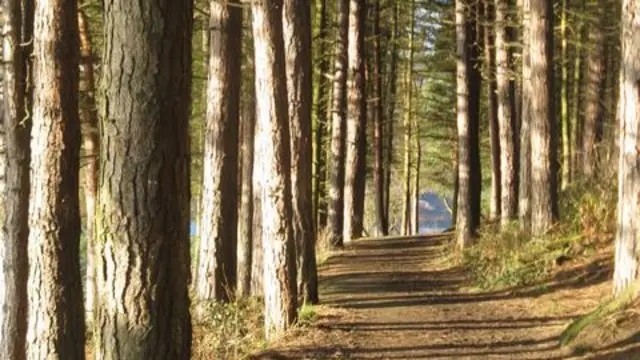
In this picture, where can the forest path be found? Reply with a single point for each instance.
(401, 299)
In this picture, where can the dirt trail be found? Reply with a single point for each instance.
(398, 299)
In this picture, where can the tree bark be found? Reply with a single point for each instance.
(338, 128)
(392, 89)
(564, 98)
(297, 42)
(492, 98)
(91, 144)
(322, 121)
(543, 154)
(355, 160)
(595, 76)
(143, 207)
(55, 314)
(378, 133)
(524, 193)
(273, 135)
(14, 266)
(468, 204)
(218, 236)
(626, 258)
(506, 116)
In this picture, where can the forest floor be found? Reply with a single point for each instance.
(403, 299)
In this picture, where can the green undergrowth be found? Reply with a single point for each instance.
(229, 331)
(506, 258)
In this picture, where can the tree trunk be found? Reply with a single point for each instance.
(91, 144)
(273, 135)
(355, 162)
(55, 314)
(492, 98)
(467, 210)
(338, 128)
(524, 193)
(626, 264)
(564, 99)
(506, 116)
(143, 208)
(577, 113)
(595, 76)
(14, 266)
(408, 133)
(378, 131)
(543, 154)
(246, 209)
(218, 235)
(391, 106)
(322, 121)
(297, 41)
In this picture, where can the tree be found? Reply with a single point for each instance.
(143, 208)
(492, 108)
(564, 97)
(272, 134)
(506, 115)
(391, 92)
(524, 193)
(91, 144)
(55, 314)
(14, 268)
(297, 41)
(218, 236)
(407, 212)
(468, 88)
(626, 258)
(355, 160)
(543, 154)
(338, 128)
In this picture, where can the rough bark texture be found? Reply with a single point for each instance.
(273, 138)
(595, 76)
(543, 157)
(297, 42)
(524, 193)
(218, 235)
(143, 206)
(338, 128)
(14, 267)
(468, 201)
(322, 120)
(382, 225)
(626, 265)
(506, 116)
(55, 327)
(492, 110)
(90, 145)
(355, 159)
(246, 209)
(391, 105)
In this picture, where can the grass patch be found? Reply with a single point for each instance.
(229, 331)
(505, 257)
(307, 314)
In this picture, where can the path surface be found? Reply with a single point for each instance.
(398, 299)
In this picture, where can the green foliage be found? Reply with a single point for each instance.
(507, 258)
(229, 331)
(307, 314)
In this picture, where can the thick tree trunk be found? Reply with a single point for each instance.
(91, 144)
(467, 210)
(595, 76)
(246, 209)
(355, 162)
(492, 98)
(382, 226)
(143, 208)
(218, 235)
(55, 315)
(626, 266)
(524, 193)
(506, 115)
(338, 128)
(392, 87)
(297, 41)
(322, 120)
(273, 135)
(14, 266)
(543, 154)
